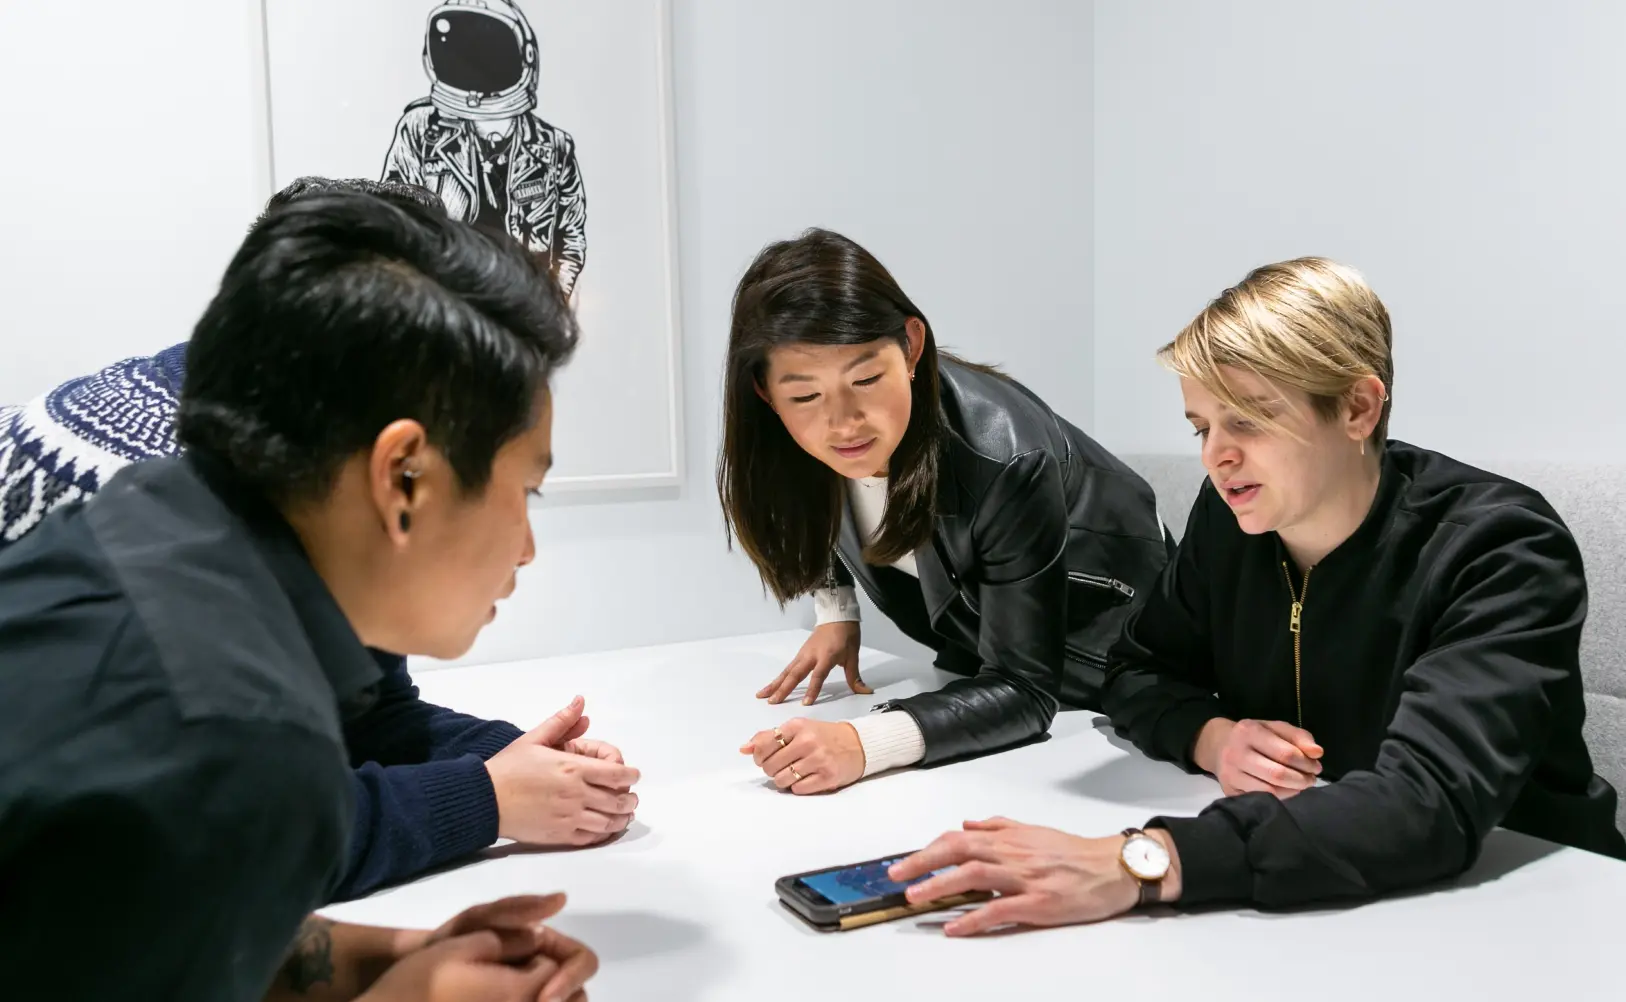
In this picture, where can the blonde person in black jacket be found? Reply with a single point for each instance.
(1343, 608)
(984, 525)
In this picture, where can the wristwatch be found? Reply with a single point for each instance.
(1145, 859)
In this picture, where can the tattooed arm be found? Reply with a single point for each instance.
(498, 950)
(331, 961)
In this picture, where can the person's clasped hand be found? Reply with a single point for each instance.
(495, 952)
(556, 787)
(808, 756)
(1258, 756)
(1043, 877)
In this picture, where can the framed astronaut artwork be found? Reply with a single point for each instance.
(550, 120)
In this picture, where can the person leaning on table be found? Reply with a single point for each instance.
(365, 413)
(986, 527)
(1342, 607)
(431, 785)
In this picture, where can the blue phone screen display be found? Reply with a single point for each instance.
(858, 883)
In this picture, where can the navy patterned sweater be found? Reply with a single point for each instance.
(423, 796)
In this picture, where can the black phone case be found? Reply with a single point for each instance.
(827, 918)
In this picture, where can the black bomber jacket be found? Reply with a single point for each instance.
(1435, 657)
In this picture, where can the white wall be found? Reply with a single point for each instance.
(952, 145)
(1467, 155)
(134, 161)
(956, 146)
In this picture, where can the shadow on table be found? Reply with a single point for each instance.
(887, 673)
(635, 832)
(1137, 780)
(932, 923)
(623, 936)
(1103, 726)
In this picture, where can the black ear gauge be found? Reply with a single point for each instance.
(409, 479)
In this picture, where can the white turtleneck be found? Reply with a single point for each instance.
(890, 740)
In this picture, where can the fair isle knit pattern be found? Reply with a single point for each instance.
(62, 446)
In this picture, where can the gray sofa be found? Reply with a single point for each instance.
(1592, 500)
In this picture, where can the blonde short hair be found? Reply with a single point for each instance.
(1310, 323)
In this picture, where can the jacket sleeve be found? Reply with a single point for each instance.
(1473, 718)
(423, 795)
(1160, 687)
(570, 233)
(1021, 539)
(402, 165)
(410, 818)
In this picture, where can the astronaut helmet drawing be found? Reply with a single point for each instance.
(477, 142)
(481, 59)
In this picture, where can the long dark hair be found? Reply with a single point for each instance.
(783, 505)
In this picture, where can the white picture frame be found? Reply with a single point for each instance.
(334, 71)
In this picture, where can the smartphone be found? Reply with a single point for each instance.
(859, 894)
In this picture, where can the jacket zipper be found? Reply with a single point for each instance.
(1096, 581)
(1296, 625)
(1094, 660)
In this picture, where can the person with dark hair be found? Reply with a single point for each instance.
(430, 785)
(365, 412)
(976, 518)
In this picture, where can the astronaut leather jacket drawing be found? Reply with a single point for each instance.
(476, 143)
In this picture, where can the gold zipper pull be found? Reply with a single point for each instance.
(1294, 617)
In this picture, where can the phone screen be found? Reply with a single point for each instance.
(863, 882)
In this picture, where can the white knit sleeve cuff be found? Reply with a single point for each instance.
(890, 740)
(835, 605)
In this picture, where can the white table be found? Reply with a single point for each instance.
(683, 907)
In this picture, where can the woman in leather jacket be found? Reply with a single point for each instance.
(983, 524)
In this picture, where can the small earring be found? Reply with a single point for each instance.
(1363, 446)
(911, 375)
(406, 521)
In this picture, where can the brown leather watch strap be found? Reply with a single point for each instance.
(1151, 892)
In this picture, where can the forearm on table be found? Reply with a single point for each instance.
(412, 817)
(980, 715)
(1163, 713)
(333, 961)
(890, 741)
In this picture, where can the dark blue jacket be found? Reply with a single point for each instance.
(423, 796)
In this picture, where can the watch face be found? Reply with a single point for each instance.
(1146, 858)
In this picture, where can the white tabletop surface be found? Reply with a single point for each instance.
(683, 907)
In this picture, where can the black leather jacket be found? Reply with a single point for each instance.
(1044, 542)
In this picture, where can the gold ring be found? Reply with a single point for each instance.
(798, 775)
(779, 737)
